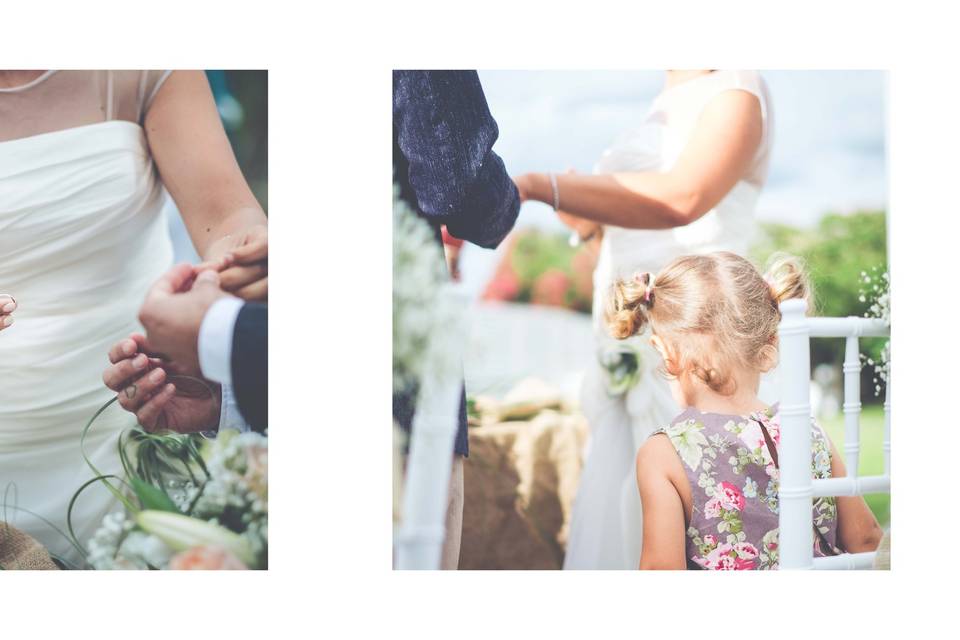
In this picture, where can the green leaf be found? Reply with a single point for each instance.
(151, 497)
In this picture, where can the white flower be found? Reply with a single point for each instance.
(181, 532)
(143, 548)
(103, 545)
(688, 439)
(880, 309)
(424, 313)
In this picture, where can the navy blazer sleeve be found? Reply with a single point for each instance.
(248, 364)
(445, 135)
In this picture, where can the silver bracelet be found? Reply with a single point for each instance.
(556, 191)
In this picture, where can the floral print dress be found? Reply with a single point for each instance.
(735, 483)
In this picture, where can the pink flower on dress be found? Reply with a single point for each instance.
(710, 540)
(730, 496)
(773, 428)
(712, 508)
(721, 558)
(752, 434)
(728, 557)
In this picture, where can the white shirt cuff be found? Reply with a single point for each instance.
(215, 342)
(230, 416)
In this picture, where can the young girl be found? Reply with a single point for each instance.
(709, 481)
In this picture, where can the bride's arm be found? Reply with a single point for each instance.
(718, 154)
(197, 165)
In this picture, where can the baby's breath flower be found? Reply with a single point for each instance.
(234, 495)
(424, 317)
(879, 308)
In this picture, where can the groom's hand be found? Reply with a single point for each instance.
(162, 394)
(174, 310)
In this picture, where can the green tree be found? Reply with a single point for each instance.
(837, 250)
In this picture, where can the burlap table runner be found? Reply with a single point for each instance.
(20, 551)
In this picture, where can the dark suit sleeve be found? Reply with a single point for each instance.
(249, 364)
(445, 132)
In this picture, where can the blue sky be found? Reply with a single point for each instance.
(829, 141)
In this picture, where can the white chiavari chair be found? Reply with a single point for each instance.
(797, 486)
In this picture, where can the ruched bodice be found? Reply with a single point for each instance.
(81, 240)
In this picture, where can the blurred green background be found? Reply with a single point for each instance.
(871, 454)
(241, 97)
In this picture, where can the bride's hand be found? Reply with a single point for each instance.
(244, 270)
(7, 306)
(584, 228)
(160, 392)
(522, 183)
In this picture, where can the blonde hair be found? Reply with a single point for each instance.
(714, 312)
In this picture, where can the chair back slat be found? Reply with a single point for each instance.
(797, 486)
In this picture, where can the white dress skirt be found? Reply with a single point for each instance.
(82, 239)
(606, 524)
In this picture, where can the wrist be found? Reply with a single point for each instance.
(536, 186)
(222, 235)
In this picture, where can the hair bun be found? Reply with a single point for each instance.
(625, 312)
(788, 279)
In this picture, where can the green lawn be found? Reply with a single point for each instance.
(871, 454)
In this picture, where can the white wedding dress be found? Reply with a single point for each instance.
(81, 240)
(606, 524)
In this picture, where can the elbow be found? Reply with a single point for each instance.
(871, 539)
(866, 540)
(685, 207)
(678, 209)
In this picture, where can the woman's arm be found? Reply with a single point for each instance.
(197, 165)
(857, 528)
(664, 541)
(720, 151)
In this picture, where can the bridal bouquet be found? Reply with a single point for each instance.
(622, 362)
(196, 504)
